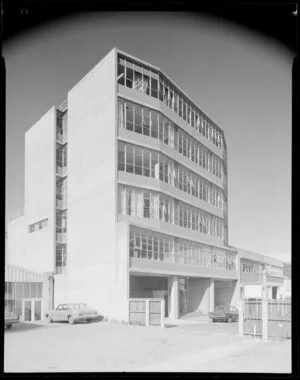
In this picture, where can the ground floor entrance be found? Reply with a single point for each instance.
(32, 310)
(149, 287)
(184, 295)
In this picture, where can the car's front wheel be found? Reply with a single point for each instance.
(9, 326)
(71, 320)
(229, 319)
(50, 320)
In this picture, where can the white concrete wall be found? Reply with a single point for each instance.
(40, 175)
(199, 294)
(15, 247)
(252, 291)
(225, 293)
(93, 276)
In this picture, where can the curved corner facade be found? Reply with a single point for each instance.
(172, 193)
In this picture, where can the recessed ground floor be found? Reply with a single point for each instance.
(184, 294)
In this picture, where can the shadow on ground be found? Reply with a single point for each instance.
(23, 326)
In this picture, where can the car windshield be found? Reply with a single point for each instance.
(76, 306)
(218, 308)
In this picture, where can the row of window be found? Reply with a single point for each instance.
(61, 255)
(251, 268)
(143, 120)
(61, 221)
(61, 188)
(15, 290)
(148, 163)
(61, 123)
(62, 156)
(40, 225)
(153, 205)
(149, 82)
(276, 272)
(154, 246)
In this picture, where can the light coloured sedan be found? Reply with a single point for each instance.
(10, 319)
(72, 313)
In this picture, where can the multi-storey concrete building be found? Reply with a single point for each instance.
(126, 195)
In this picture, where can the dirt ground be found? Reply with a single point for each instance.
(103, 346)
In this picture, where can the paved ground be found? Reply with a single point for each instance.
(103, 346)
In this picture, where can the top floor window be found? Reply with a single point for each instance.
(150, 82)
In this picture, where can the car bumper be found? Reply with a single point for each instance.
(11, 321)
(86, 317)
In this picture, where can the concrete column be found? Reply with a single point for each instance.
(174, 298)
(147, 311)
(162, 313)
(264, 306)
(212, 295)
(235, 293)
(241, 313)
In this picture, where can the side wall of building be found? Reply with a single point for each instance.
(15, 248)
(92, 273)
(40, 141)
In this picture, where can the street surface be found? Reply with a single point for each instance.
(104, 346)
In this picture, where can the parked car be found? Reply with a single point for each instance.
(72, 313)
(10, 319)
(224, 313)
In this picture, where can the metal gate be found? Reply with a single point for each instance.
(253, 317)
(147, 311)
(279, 318)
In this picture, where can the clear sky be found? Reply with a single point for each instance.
(240, 79)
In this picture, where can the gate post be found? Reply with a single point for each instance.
(162, 313)
(241, 316)
(147, 313)
(264, 305)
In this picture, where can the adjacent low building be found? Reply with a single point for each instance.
(251, 279)
(27, 294)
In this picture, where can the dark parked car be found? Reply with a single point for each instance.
(224, 313)
(10, 319)
(73, 312)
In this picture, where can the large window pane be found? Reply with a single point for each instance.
(138, 80)
(154, 165)
(39, 289)
(146, 83)
(26, 290)
(129, 116)
(146, 205)
(161, 86)
(121, 156)
(19, 289)
(129, 159)
(154, 85)
(138, 119)
(129, 74)
(146, 165)
(154, 122)
(121, 72)
(138, 161)
(146, 121)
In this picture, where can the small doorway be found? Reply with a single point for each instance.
(32, 310)
(37, 310)
(274, 292)
(27, 311)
